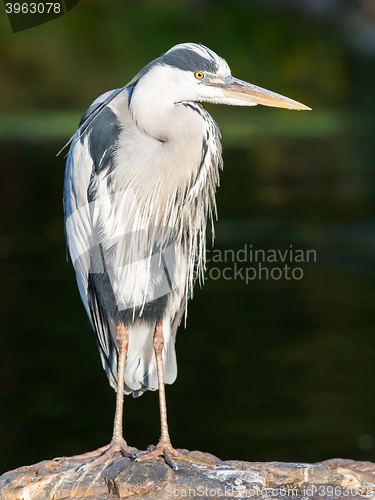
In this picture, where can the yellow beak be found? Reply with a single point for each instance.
(233, 88)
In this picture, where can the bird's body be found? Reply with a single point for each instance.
(117, 217)
(140, 184)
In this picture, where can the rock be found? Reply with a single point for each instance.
(335, 479)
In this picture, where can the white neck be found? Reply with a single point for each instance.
(173, 133)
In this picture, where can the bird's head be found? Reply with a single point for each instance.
(192, 72)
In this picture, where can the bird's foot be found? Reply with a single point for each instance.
(107, 453)
(165, 449)
(104, 453)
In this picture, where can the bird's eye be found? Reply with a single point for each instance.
(199, 75)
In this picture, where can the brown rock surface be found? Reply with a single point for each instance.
(154, 480)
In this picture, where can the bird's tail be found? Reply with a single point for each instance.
(140, 368)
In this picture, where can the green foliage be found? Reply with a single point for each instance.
(98, 46)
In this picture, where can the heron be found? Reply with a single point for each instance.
(140, 183)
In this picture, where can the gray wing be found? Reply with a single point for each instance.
(89, 152)
(114, 284)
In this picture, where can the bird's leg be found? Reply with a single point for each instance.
(117, 443)
(122, 335)
(164, 448)
(158, 345)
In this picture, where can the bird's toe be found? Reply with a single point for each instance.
(170, 455)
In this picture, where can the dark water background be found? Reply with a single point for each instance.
(268, 370)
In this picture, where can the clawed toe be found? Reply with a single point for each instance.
(170, 454)
(106, 453)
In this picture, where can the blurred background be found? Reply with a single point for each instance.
(268, 370)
